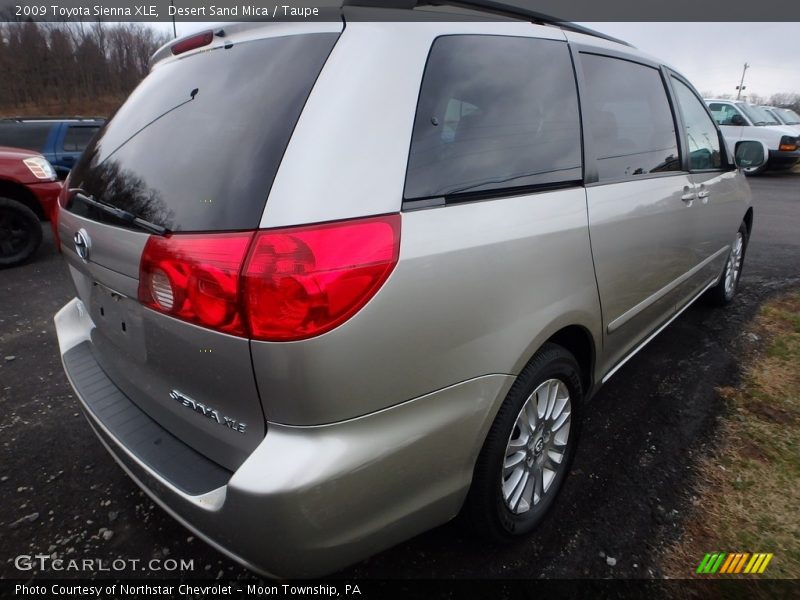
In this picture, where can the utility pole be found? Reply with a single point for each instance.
(741, 85)
(174, 30)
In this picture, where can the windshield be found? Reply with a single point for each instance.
(788, 116)
(757, 115)
(198, 143)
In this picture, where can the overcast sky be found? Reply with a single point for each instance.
(710, 55)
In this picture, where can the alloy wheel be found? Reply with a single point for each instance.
(537, 447)
(734, 265)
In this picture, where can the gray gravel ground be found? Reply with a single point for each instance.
(64, 496)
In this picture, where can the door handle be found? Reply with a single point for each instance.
(703, 193)
(688, 194)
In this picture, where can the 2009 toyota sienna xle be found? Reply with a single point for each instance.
(339, 281)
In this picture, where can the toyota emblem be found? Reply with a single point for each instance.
(82, 244)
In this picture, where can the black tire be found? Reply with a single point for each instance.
(20, 232)
(723, 293)
(486, 509)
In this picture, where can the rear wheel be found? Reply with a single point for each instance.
(20, 232)
(725, 290)
(529, 448)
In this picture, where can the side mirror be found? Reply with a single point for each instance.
(738, 120)
(750, 154)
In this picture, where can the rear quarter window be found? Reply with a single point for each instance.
(494, 113)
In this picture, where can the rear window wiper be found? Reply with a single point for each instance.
(121, 214)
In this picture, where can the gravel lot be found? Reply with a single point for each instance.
(630, 488)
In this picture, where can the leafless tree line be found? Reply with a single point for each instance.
(92, 67)
(46, 65)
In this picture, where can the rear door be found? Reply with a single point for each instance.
(640, 200)
(194, 150)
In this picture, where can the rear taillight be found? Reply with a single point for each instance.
(276, 285)
(303, 281)
(195, 277)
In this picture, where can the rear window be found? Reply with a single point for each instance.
(198, 143)
(494, 113)
(31, 136)
(78, 137)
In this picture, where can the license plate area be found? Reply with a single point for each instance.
(117, 318)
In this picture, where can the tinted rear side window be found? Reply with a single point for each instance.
(632, 124)
(78, 137)
(197, 145)
(494, 112)
(31, 136)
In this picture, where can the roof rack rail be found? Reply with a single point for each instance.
(488, 6)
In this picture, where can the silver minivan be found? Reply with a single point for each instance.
(340, 281)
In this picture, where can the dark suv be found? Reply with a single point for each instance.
(60, 140)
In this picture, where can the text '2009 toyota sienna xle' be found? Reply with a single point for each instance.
(339, 281)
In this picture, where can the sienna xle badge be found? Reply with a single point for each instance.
(339, 281)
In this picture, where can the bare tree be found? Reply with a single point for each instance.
(786, 100)
(55, 67)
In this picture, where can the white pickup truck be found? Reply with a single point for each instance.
(785, 116)
(739, 121)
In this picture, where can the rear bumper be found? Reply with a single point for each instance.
(308, 500)
(47, 194)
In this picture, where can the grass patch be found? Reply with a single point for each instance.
(748, 496)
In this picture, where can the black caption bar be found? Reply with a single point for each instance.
(400, 589)
(294, 10)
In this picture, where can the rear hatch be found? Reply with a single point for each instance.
(194, 150)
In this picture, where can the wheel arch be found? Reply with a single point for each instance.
(578, 341)
(18, 192)
(575, 337)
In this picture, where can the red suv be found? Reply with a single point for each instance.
(29, 192)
